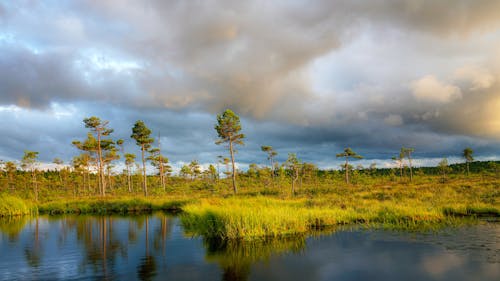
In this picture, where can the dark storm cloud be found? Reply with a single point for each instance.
(245, 55)
(416, 73)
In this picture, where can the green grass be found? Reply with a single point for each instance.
(110, 205)
(472, 211)
(257, 217)
(425, 205)
(13, 206)
(257, 212)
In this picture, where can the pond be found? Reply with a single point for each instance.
(155, 247)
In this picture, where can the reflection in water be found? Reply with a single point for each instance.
(235, 257)
(155, 247)
(33, 252)
(98, 240)
(12, 226)
(147, 269)
(479, 240)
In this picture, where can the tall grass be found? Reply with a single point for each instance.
(257, 217)
(259, 211)
(13, 206)
(111, 205)
(425, 204)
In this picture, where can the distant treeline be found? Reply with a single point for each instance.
(68, 182)
(492, 167)
(92, 172)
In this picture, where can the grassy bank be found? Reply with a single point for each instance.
(398, 206)
(13, 206)
(249, 218)
(258, 212)
(111, 205)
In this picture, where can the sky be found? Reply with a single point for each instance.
(306, 77)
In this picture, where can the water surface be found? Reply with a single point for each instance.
(155, 247)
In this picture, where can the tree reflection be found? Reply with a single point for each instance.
(12, 227)
(100, 243)
(33, 252)
(162, 233)
(147, 269)
(103, 243)
(235, 257)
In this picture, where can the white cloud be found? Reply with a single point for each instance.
(430, 89)
(479, 78)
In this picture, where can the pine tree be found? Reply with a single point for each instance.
(228, 128)
(348, 153)
(141, 134)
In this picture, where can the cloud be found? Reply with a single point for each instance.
(437, 266)
(479, 78)
(393, 120)
(430, 89)
(250, 56)
(310, 79)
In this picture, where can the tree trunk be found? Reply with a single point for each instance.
(102, 177)
(160, 162)
(144, 181)
(272, 171)
(346, 171)
(35, 186)
(128, 180)
(467, 162)
(88, 179)
(411, 170)
(84, 181)
(234, 169)
(108, 174)
(162, 177)
(218, 172)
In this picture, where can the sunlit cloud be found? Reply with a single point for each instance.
(429, 89)
(305, 78)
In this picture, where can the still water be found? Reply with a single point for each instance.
(155, 247)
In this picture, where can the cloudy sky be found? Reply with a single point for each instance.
(309, 77)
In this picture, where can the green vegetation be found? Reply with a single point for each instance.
(228, 129)
(263, 205)
(13, 206)
(235, 257)
(210, 209)
(111, 205)
(348, 153)
(141, 135)
(386, 206)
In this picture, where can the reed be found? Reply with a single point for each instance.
(260, 217)
(14, 206)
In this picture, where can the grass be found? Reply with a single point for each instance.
(110, 205)
(417, 206)
(260, 212)
(257, 217)
(13, 206)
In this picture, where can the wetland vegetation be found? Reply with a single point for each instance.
(210, 208)
(285, 199)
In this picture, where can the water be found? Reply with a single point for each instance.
(155, 247)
